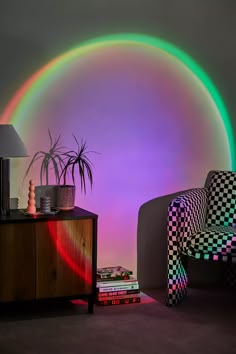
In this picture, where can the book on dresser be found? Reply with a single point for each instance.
(116, 285)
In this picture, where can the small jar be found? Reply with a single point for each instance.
(45, 204)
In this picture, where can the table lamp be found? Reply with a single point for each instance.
(11, 145)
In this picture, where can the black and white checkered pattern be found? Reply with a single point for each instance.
(201, 225)
(222, 199)
(186, 215)
(216, 243)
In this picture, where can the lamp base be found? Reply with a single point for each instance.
(4, 186)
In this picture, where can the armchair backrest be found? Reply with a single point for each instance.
(221, 209)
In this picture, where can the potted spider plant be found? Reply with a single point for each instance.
(76, 166)
(52, 164)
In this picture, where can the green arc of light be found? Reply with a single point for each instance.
(26, 92)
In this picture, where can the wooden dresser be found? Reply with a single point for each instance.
(44, 257)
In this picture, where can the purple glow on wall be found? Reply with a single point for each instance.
(154, 125)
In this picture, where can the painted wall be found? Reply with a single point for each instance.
(155, 126)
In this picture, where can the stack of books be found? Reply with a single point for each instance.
(116, 285)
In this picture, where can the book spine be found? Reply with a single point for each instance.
(118, 277)
(117, 293)
(118, 288)
(116, 282)
(130, 300)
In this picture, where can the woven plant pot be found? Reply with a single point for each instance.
(65, 197)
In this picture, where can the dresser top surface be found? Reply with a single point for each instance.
(18, 215)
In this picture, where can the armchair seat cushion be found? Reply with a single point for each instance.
(217, 243)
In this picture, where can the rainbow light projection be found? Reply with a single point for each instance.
(71, 252)
(152, 114)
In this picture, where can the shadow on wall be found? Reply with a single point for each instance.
(30, 55)
(152, 247)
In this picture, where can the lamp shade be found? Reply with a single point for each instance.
(11, 144)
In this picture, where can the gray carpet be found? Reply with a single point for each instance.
(204, 323)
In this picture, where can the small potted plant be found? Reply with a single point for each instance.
(64, 163)
(76, 165)
(51, 160)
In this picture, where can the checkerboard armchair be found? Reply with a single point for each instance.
(202, 225)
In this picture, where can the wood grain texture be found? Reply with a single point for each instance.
(63, 258)
(17, 262)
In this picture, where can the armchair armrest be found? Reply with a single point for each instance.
(186, 216)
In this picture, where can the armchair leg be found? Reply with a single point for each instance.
(177, 281)
(230, 275)
(184, 260)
